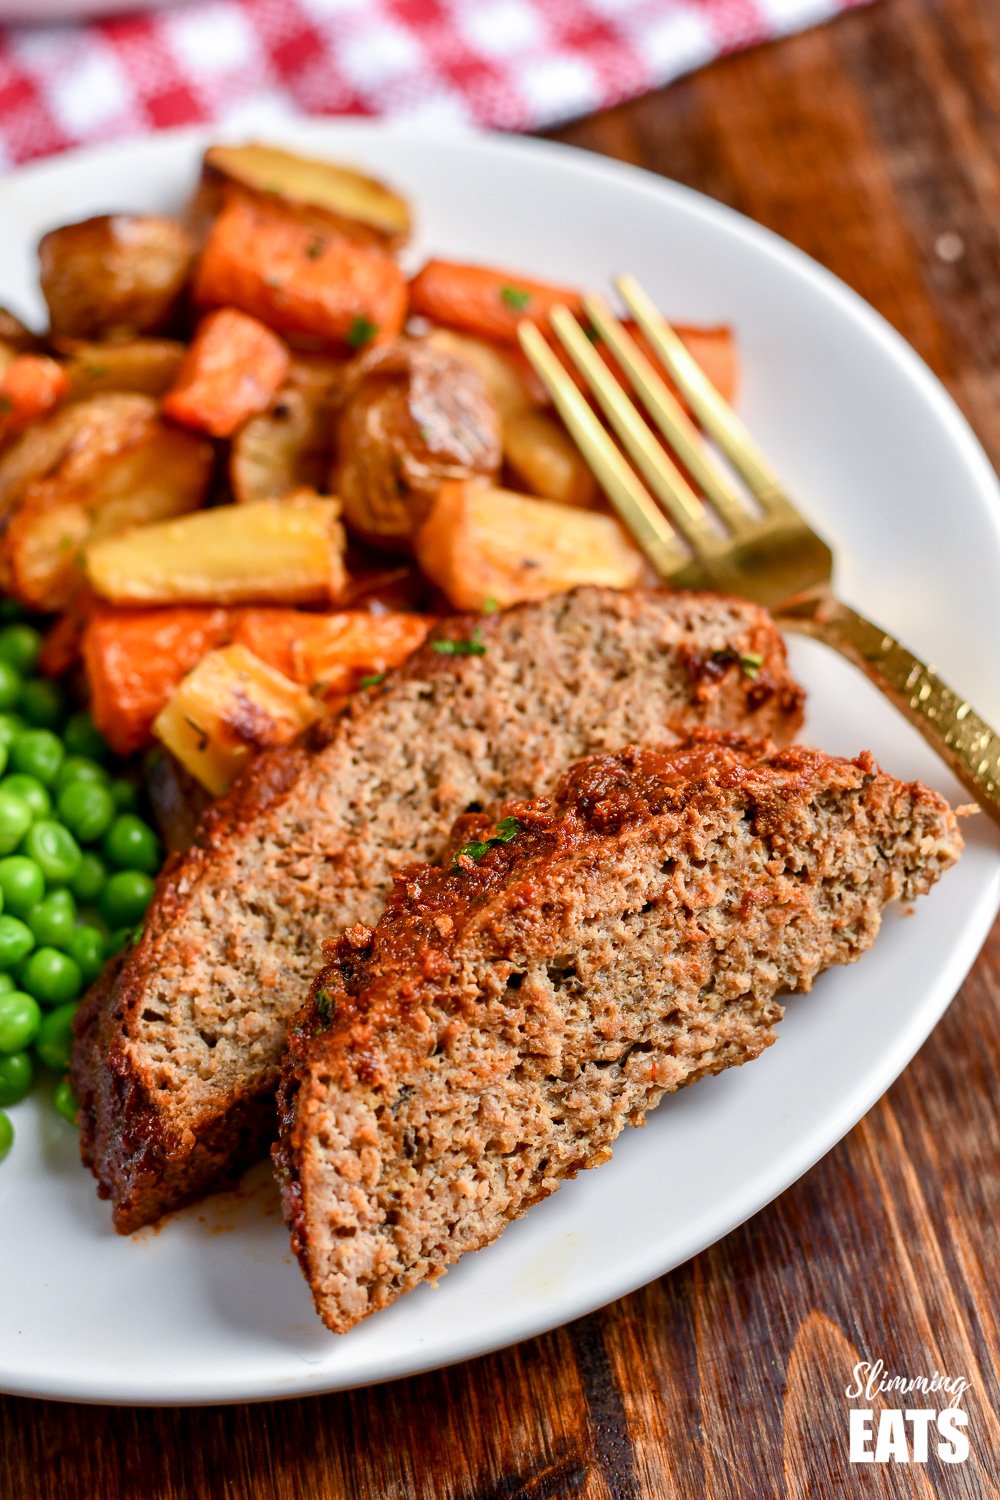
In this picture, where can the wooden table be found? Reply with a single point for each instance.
(873, 143)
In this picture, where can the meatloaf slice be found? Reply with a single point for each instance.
(578, 959)
(177, 1060)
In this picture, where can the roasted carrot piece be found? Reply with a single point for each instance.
(134, 659)
(31, 385)
(233, 370)
(483, 301)
(299, 278)
(336, 656)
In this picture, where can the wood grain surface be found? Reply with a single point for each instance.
(873, 143)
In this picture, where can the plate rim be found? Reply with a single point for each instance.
(762, 1187)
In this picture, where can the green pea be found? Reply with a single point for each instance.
(22, 884)
(87, 810)
(54, 1041)
(52, 977)
(20, 1019)
(42, 703)
(38, 753)
(132, 845)
(20, 645)
(7, 984)
(125, 897)
(16, 942)
(65, 1101)
(15, 820)
(11, 685)
(16, 1078)
(55, 849)
(31, 792)
(86, 946)
(53, 919)
(6, 1134)
(11, 725)
(117, 940)
(80, 768)
(88, 882)
(126, 794)
(81, 738)
(4, 757)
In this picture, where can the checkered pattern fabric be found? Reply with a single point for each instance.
(508, 64)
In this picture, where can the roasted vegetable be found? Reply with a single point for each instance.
(501, 374)
(135, 658)
(92, 469)
(289, 446)
(17, 335)
(231, 372)
(413, 417)
(147, 366)
(344, 196)
(114, 276)
(484, 302)
(337, 652)
(301, 280)
(31, 385)
(282, 554)
(481, 545)
(542, 456)
(231, 705)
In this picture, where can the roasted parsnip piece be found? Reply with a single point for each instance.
(481, 544)
(114, 276)
(266, 553)
(542, 456)
(92, 469)
(341, 194)
(289, 446)
(148, 366)
(230, 706)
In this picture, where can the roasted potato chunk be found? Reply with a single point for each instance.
(501, 375)
(541, 455)
(92, 469)
(273, 554)
(114, 276)
(483, 545)
(413, 418)
(147, 366)
(230, 706)
(342, 195)
(17, 335)
(289, 446)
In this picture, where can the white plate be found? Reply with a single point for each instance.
(212, 1307)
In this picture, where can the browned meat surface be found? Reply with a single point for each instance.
(176, 1064)
(517, 1007)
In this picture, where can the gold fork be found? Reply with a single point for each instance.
(764, 551)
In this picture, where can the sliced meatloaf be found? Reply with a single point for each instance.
(177, 1058)
(576, 960)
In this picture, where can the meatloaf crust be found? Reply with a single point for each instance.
(177, 1058)
(570, 964)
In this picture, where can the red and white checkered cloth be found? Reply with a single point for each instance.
(509, 64)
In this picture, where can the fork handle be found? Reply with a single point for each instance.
(948, 722)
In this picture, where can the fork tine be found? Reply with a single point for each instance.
(636, 507)
(657, 469)
(715, 415)
(670, 417)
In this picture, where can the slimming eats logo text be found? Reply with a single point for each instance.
(908, 1432)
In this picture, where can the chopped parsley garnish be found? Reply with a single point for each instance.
(372, 680)
(326, 1006)
(489, 606)
(515, 297)
(95, 372)
(749, 662)
(506, 829)
(590, 332)
(361, 332)
(315, 250)
(473, 647)
(6, 405)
